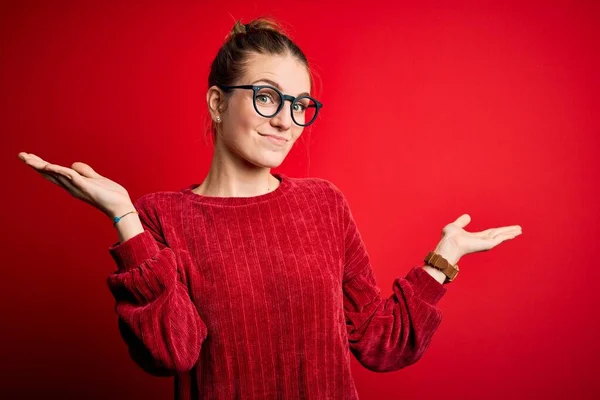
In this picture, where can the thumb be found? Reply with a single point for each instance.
(85, 170)
(463, 220)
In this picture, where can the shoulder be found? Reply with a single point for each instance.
(150, 200)
(154, 204)
(324, 187)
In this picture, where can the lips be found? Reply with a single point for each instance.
(275, 136)
(282, 139)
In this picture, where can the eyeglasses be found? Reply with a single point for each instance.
(268, 102)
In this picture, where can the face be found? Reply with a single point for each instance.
(244, 133)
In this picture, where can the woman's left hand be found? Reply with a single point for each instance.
(456, 242)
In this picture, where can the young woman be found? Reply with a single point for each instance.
(254, 285)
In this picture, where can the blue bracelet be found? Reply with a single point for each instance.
(117, 219)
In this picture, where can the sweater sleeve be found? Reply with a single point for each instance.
(386, 334)
(156, 316)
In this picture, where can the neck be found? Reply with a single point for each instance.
(234, 177)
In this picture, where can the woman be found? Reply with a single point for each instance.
(253, 285)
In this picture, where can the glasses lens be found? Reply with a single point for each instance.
(305, 110)
(267, 102)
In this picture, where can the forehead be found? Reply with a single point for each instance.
(291, 75)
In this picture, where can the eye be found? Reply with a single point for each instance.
(267, 97)
(299, 107)
(264, 98)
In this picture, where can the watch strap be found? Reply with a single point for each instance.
(437, 261)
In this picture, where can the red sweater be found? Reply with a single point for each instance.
(263, 297)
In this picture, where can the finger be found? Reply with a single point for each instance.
(490, 233)
(46, 166)
(85, 170)
(53, 172)
(41, 165)
(501, 238)
(33, 157)
(34, 161)
(62, 182)
(463, 220)
(68, 173)
(65, 184)
(52, 178)
(74, 191)
(485, 233)
(79, 168)
(508, 230)
(77, 183)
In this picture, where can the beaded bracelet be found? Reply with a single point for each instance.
(117, 219)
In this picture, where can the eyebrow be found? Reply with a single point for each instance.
(273, 83)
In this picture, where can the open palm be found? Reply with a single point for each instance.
(82, 182)
(457, 242)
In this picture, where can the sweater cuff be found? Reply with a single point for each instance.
(426, 286)
(134, 251)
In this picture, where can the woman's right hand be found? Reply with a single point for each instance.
(82, 182)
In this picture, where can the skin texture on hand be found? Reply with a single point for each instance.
(83, 183)
(457, 242)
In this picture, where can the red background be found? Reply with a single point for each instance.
(431, 111)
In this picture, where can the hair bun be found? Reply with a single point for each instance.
(238, 28)
(258, 24)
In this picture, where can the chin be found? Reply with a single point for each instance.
(266, 162)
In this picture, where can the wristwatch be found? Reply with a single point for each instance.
(437, 261)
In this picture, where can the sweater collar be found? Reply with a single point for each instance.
(283, 187)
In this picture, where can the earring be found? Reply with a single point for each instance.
(218, 118)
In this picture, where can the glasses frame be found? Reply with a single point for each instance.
(284, 97)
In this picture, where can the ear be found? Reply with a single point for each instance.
(215, 99)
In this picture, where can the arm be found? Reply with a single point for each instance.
(156, 316)
(386, 334)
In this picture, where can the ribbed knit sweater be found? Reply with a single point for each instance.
(263, 297)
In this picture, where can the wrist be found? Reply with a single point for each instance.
(442, 262)
(448, 251)
(435, 273)
(129, 227)
(120, 210)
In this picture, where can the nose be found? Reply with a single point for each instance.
(283, 119)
